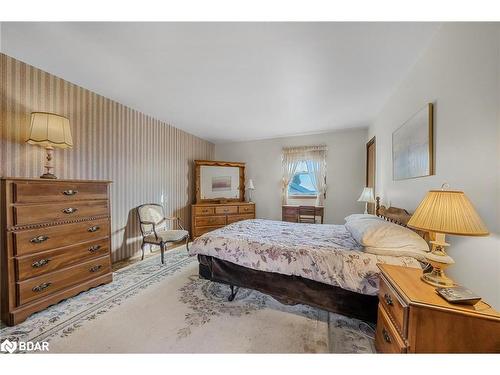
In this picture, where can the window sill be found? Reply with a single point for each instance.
(302, 197)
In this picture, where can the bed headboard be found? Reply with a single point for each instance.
(393, 214)
(398, 216)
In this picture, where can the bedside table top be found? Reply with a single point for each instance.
(408, 284)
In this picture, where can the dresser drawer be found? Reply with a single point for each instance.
(210, 220)
(246, 209)
(291, 219)
(235, 218)
(387, 338)
(395, 307)
(43, 213)
(35, 192)
(43, 285)
(290, 211)
(48, 261)
(202, 230)
(204, 211)
(35, 240)
(226, 210)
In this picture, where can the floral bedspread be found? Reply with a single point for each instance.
(324, 253)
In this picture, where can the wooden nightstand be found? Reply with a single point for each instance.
(413, 318)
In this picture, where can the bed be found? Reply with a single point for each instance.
(319, 265)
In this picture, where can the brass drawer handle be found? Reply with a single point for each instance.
(388, 299)
(40, 263)
(70, 210)
(94, 248)
(95, 268)
(70, 192)
(41, 287)
(39, 239)
(386, 335)
(93, 228)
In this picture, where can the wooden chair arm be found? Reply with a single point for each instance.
(154, 226)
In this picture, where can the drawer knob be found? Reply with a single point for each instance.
(94, 248)
(388, 299)
(70, 210)
(41, 287)
(40, 263)
(93, 228)
(70, 192)
(95, 268)
(39, 239)
(386, 335)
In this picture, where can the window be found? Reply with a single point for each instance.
(303, 182)
(304, 173)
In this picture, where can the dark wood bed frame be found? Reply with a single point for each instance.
(293, 290)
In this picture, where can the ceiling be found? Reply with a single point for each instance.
(231, 81)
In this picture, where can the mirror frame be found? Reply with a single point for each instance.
(213, 163)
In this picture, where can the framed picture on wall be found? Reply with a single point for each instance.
(413, 146)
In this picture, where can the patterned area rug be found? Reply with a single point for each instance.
(160, 309)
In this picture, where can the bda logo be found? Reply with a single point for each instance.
(8, 346)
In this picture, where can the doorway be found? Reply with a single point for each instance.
(370, 171)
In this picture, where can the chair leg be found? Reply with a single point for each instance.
(142, 248)
(187, 244)
(151, 248)
(162, 249)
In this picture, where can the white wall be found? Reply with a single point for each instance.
(345, 170)
(459, 72)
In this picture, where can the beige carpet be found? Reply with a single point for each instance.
(173, 316)
(154, 308)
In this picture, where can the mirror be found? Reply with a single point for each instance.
(219, 181)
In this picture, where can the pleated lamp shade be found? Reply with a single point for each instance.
(50, 130)
(367, 195)
(449, 212)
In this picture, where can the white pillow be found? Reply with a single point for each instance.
(361, 217)
(384, 238)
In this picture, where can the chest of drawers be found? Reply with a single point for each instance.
(413, 318)
(207, 217)
(55, 242)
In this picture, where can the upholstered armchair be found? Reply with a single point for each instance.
(154, 228)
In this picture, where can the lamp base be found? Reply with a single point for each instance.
(49, 164)
(439, 260)
(437, 278)
(49, 176)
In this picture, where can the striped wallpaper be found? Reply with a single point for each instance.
(147, 159)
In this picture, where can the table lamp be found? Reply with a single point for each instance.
(49, 130)
(250, 187)
(367, 197)
(444, 212)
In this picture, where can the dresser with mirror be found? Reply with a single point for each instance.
(220, 196)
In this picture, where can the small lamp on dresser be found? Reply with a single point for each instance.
(250, 188)
(444, 212)
(49, 130)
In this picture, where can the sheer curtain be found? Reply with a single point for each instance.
(289, 163)
(317, 167)
(315, 156)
